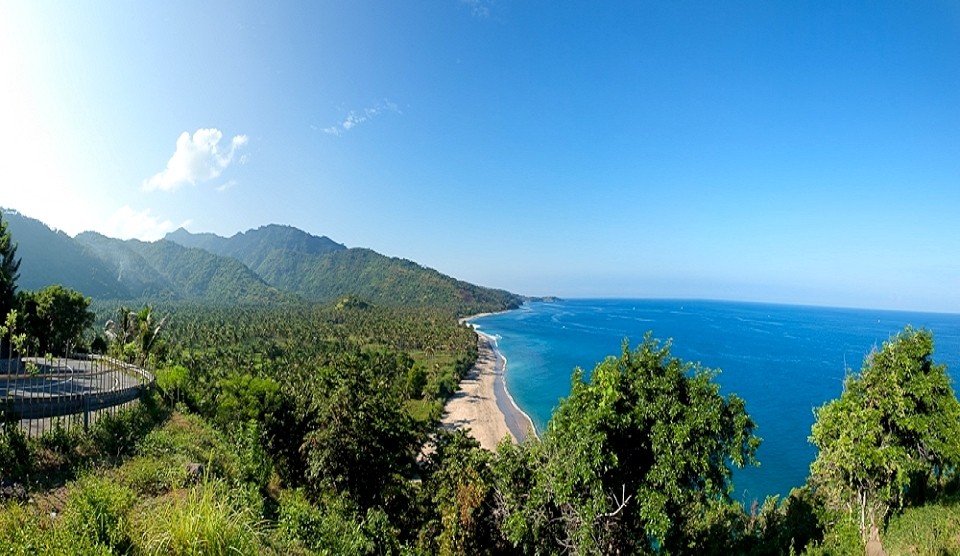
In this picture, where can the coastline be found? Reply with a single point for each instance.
(466, 320)
(483, 405)
(519, 423)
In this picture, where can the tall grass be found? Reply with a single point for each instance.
(94, 521)
(201, 522)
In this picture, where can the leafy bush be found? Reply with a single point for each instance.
(173, 384)
(244, 397)
(97, 509)
(16, 458)
(253, 461)
(116, 435)
(842, 538)
(335, 527)
(20, 532)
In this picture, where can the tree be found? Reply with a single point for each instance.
(120, 331)
(635, 460)
(133, 335)
(894, 432)
(361, 443)
(457, 478)
(55, 317)
(148, 331)
(9, 274)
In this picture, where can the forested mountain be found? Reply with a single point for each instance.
(254, 246)
(52, 257)
(320, 269)
(269, 264)
(163, 269)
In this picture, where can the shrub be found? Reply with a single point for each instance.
(97, 509)
(117, 435)
(20, 532)
(16, 458)
(332, 530)
(173, 384)
(253, 461)
(933, 529)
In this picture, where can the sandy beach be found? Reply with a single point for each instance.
(483, 405)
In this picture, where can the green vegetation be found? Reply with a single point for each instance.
(322, 270)
(133, 336)
(272, 265)
(54, 318)
(893, 436)
(254, 246)
(634, 460)
(165, 270)
(929, 530)
(51, 320)
(9, 269)
(53, 257)
(306, 424)
(313, 429)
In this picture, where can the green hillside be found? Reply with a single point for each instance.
(320, 269)
(167, 270)
(52, 257)
(254, 246)
(265, 265)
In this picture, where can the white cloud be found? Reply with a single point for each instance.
(127, 223)
(229, 184)
(355, 118)
(197, 159)
(479, 8)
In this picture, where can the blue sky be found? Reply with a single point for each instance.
(767, 151)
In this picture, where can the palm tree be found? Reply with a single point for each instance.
(147, 333)
(136, 329)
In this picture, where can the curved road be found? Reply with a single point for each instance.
(68, 377)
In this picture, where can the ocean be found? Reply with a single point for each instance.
(783, 360)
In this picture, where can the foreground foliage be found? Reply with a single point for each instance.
(893, 436)
(54, 318)
(929, 530)
(635, 460)
(313, 430)
(9, 270)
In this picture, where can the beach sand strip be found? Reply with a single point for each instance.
(482, 404)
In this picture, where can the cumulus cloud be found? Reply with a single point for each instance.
(127, 223)
(355, 118)
(198, 158)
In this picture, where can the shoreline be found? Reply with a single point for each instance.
(519, 423)
(482, 404)
(466, 320)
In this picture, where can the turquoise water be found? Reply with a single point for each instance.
(782, 360)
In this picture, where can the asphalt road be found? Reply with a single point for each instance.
(70, 376)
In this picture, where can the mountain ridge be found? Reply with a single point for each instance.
(270, 264)
(320, 269)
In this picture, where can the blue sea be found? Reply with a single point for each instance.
(783, 360)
